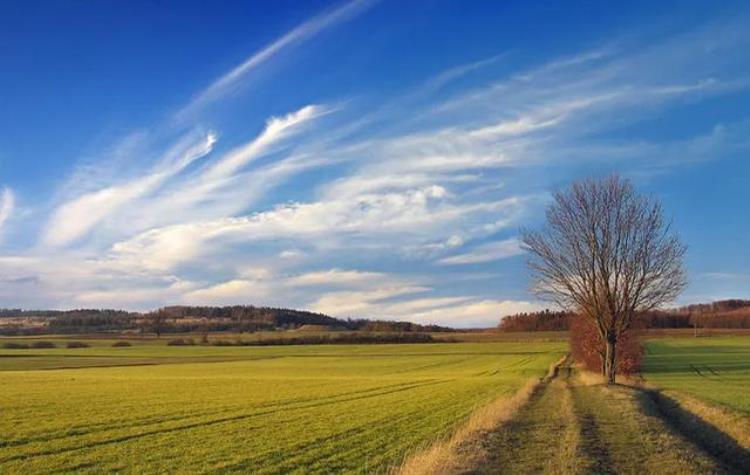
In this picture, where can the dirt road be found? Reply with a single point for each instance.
(569, 426)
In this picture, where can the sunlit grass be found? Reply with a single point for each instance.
(715, 369)
(325, 408)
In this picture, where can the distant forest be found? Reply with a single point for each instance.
(248, 318)
(179, 319)
(721, 314)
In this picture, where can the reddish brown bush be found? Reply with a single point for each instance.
(588, 348)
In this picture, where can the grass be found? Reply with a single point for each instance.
(464, 446)
(623, 432)
(705, 387)
(716, 369)
(291, 409)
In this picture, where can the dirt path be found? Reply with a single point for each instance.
(540, 437)
(570, 427)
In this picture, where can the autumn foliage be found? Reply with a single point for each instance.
(588, 349)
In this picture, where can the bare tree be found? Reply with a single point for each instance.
(608, 253)
(155, 321)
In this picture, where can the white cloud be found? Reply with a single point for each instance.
(233, 292)
(7, 203)
(337, 277)
(362, 302)
(276, 129)
(415, 215)
(292, 254)
(142, 297)
(224, 188)
(72, 220)
(475, 314)
(488, 252)
(456, 311)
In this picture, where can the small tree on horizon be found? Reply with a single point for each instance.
(607, 253)
(156, 321)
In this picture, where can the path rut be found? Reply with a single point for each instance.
(571, 427)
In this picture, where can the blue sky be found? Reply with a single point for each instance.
(362, 158)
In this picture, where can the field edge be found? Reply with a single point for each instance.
(458, 450)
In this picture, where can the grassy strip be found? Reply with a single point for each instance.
(665, 427)
(623, 432)
(734, 423)
(542, 438)
(463, 448)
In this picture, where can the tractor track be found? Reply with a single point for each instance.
(568, 426)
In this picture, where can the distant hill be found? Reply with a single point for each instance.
(181, 318)
(720, 314)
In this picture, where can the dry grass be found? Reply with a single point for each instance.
(462, 449)
(589, 378)
(570, 456)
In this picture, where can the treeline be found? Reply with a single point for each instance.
(324, 339)
(191, 319)
(391, 326)
(240, 318)
(81, 314)
(543, 321)
(720, 314)
(93, 321)
(25, 322)
(247, 318)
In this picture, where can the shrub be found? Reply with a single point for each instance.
(43, 345)
(119, 344)
(77, 344)
(181, 342)
(588, 349)
(224, 343)
(16, 346)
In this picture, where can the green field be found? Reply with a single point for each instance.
(715, 369)
(326, 408)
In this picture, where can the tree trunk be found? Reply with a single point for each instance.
(610, 362)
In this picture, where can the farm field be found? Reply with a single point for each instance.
(325, 408)
(716, 369)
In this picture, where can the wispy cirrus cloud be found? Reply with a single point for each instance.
(72, 220)
(310, 28)
(415, 215)
(7, 204)
(488, 252)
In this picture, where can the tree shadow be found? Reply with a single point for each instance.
(706, 436)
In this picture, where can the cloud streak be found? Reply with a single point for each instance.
(307, 30)
(74, 219)
(492, 251)
(7, 204)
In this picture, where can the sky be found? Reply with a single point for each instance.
(358, 158)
